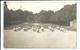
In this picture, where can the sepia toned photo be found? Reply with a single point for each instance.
(40, 24)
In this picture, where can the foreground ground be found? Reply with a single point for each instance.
(46, 39)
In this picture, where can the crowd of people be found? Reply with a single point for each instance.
(39, 27)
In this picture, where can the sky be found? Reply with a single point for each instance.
(37, 6)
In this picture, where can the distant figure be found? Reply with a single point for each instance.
(38, 31)
(42, 30)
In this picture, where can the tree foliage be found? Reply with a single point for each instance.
(61, 17)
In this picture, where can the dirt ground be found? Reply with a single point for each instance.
(47, 39)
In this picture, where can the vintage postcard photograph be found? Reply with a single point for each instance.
(40, 24)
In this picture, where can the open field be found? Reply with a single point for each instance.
(45, 39)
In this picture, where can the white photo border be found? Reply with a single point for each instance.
(78, 28)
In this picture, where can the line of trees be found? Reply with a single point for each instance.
(61, 17)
